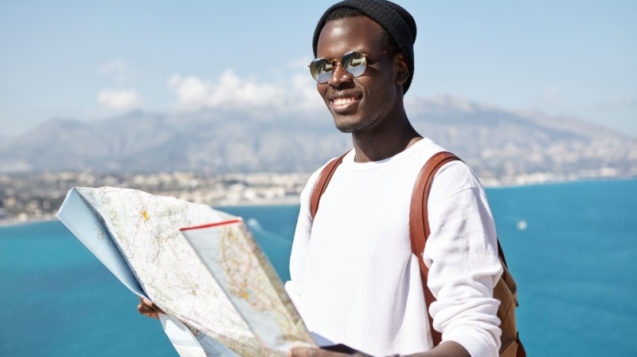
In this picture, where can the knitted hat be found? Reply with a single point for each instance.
(394, 19)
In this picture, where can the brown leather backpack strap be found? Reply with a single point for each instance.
(501, 254)
(419, 225)
(521, 351)
(321, 183)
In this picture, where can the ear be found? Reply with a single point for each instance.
(401, 69)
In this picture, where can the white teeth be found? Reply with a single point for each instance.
(343, 100)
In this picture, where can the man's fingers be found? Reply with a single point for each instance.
(145, 302)
(147, 308)
(312, 352)
(147, 312)
(303, 352)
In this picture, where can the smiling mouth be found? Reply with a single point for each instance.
(344, 104)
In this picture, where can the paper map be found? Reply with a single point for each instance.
(211, 279)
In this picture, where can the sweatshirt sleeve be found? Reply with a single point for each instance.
(300, 245)
(462, 256)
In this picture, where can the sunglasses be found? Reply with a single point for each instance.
(354, 62)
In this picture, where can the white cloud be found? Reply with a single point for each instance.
(116, 67)
(120, 99)
(229, 91)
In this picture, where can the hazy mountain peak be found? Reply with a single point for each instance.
(499, 144)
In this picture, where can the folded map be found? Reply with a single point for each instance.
(199, 265)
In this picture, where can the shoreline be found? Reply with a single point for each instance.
(560, 182)
(294, 200)
(12, 222)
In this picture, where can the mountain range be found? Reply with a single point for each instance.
(498, 143)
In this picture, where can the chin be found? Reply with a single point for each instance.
(352, 126)
(345, 129)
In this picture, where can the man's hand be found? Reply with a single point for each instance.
(147, 308)
(317, 352)
(445, 349)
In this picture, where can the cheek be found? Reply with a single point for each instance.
(322, 90)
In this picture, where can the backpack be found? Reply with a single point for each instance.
(505, 290)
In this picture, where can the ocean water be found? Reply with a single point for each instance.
(572, 248)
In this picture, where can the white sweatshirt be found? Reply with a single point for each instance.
(355, 280)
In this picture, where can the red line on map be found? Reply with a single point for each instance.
(222, 223)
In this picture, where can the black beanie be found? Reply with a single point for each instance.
(394, 19)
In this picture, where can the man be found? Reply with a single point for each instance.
(354, 278)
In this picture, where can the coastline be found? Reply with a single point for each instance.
(559, 182)
(290, 200)
(6, 223)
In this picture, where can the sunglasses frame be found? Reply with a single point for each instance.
(335, 63)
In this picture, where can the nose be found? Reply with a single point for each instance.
(339, 76)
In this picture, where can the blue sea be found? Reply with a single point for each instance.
(572, 248)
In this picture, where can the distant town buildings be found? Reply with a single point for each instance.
(33, 196)
(38, 196)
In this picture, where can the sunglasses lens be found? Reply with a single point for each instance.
(321, 69)
(354, 62)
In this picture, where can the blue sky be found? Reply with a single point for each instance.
(90, 60)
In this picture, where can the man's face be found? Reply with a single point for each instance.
(362, 103)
